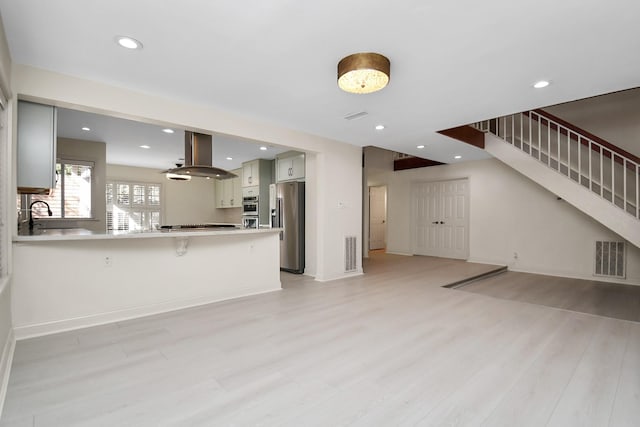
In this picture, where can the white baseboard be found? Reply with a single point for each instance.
(48, 328)
(344, 276)
(5, 366)
(399, 253)
(488, 261)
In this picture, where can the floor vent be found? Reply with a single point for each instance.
(610, 259)
(350, 261)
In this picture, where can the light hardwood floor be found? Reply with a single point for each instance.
(388, 348)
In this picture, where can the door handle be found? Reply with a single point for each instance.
(434, 222)
(441, 222)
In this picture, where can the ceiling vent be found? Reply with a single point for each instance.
(353, 116)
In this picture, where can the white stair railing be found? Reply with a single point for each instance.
(607, 173)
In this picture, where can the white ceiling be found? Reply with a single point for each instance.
(452, 63)
(123, 139)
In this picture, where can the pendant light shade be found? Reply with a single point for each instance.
(363, 72)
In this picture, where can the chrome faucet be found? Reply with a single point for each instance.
(31, 212)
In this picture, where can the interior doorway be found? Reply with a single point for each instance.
(440, 218)
(377, 218)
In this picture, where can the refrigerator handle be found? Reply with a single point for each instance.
(279, 216)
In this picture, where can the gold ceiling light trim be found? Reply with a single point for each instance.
(363, 72)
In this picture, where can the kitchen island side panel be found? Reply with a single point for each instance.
(64, 285)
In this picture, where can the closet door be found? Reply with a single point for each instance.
(440, 218)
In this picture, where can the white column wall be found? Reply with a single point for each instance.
(7, 341)
(337, 168)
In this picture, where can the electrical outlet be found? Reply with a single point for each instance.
(515, 255)
(108, 261)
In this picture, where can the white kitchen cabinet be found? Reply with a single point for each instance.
(290, 167)
(229, 192)
(250, 173)
(36, 154)
(256, 172)
(236, 190)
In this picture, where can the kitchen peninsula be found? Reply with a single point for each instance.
(69, 280)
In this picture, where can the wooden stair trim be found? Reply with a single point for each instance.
(467, 134)
(413, 163)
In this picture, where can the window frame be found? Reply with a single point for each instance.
(130, 208)
(62, 161)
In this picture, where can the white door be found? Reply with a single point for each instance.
(440, 212)
(377, 217)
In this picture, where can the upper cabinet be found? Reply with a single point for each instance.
(255, 172)
(250, 173)
(36, 151)
(290, 166)
(229, 192)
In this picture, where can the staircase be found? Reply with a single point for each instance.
(600, 179)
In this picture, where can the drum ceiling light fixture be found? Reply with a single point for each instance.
(363, 72)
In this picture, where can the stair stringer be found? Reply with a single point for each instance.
(573, 193)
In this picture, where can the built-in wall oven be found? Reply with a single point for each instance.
(250, 206)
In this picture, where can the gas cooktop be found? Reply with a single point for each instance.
(195, 226)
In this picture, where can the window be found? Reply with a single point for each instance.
(133, 206)
(71, 199)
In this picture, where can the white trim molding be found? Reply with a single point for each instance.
(5, 366)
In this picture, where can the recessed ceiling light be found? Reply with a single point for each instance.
(420, 146)
(146, 147)
(128, 42)
(379, 127)
(229, 158)
(541, 84)
(167, 130)
(263, 148)
(457, 157)
(86, 129)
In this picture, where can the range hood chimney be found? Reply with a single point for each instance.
(198, 157)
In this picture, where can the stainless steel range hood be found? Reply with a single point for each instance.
(198, 158)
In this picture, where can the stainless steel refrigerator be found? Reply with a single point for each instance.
(287, 212)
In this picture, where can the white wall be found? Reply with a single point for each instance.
(338, 189)
(613, 117)
(183, 202)
(7, 341)
(509, 213)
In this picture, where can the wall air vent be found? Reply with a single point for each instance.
(610, 259)
(353, 116)
(350, 261)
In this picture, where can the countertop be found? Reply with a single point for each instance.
(62, 234)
